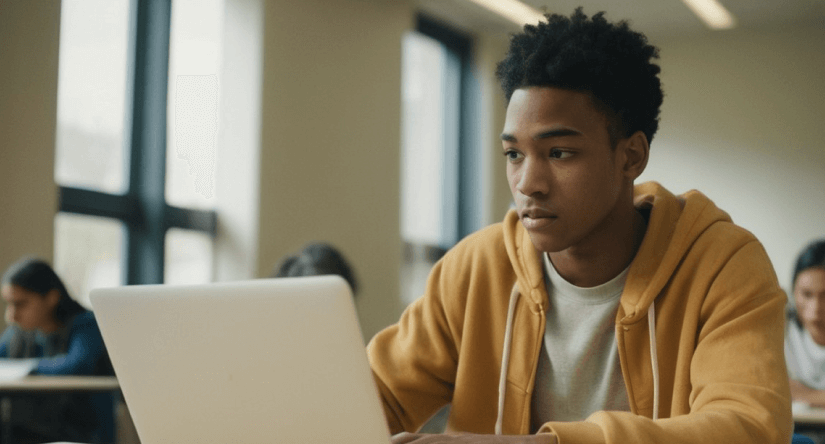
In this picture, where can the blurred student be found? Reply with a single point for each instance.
(316, 259)
(805, 327)
(46, 324)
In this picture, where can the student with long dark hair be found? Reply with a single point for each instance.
(47, 324)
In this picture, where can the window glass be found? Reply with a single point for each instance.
(91, 98)
(422, 151)
(192, 105)
(430, 83)
(88, 253)
(188, 257)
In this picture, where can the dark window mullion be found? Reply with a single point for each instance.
(147, 170)
(96, 203)
(190, 219)
(143, 208)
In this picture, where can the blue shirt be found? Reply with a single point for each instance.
(80, 355)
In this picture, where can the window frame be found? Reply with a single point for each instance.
(142, 208)
(464, 207)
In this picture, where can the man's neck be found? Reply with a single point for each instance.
(596, 264)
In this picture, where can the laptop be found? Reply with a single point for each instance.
(259, 361)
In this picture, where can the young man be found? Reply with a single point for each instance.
(597, 311)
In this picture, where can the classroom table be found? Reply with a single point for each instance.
(809, 421)
(48, 384)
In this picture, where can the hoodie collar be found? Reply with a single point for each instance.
(675, 222)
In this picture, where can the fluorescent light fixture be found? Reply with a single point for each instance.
(513, 10)
(712, 13)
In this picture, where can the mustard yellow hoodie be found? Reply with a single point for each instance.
(705, 285)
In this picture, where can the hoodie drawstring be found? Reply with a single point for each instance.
(505, 358)
(654, 358)
(508, 339)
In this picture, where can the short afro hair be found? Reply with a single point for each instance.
(608, 61)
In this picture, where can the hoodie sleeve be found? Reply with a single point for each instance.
(414, 361)
(730, 383)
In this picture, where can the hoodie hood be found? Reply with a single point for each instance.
(679, 221)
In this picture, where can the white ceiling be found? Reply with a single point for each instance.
(660, 18)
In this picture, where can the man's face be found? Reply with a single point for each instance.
(809, 295)
(565, 177)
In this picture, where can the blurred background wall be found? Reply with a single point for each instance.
(310, 129)
(28, 102)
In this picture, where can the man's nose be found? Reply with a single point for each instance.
(533, 179)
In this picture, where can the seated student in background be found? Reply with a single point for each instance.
(805, 327)
(316, 259)
(597, 311)
(46, 323)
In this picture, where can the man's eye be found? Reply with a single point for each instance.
(556, 153)
(512, 155)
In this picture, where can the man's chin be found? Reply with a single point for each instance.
(546, 244)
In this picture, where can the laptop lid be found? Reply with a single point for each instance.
(260, 361)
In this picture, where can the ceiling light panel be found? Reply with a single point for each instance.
(712, 13)
(512, 10)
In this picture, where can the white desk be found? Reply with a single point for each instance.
(54, 384)
(808, 420)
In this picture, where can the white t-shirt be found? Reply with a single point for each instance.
(805, 358)
(579, 371)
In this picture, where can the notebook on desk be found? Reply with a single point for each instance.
(261, 361)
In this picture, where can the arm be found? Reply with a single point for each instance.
(422, 341)
(812, 397)
(85, 348)
(404, 438)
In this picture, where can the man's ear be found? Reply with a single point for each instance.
(636, 153)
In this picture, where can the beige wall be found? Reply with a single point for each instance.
(29, 34)
(742, 122)
(330, 139)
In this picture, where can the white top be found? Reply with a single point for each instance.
(805, 358)
(579, 371)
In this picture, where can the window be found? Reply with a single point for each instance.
(438, 187)
(119, 222)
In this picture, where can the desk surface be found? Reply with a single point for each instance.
(41, 383)
(804, 414)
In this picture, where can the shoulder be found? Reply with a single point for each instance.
(725, 242)
(477, 267)
(488, 240)
(483, 250)
(83, 322)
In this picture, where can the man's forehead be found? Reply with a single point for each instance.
(550, 112)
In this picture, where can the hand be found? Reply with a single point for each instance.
(420, 438)
(803, 393)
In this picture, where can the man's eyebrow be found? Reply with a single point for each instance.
(558, 132)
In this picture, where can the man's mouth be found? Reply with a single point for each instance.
(535, 218)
